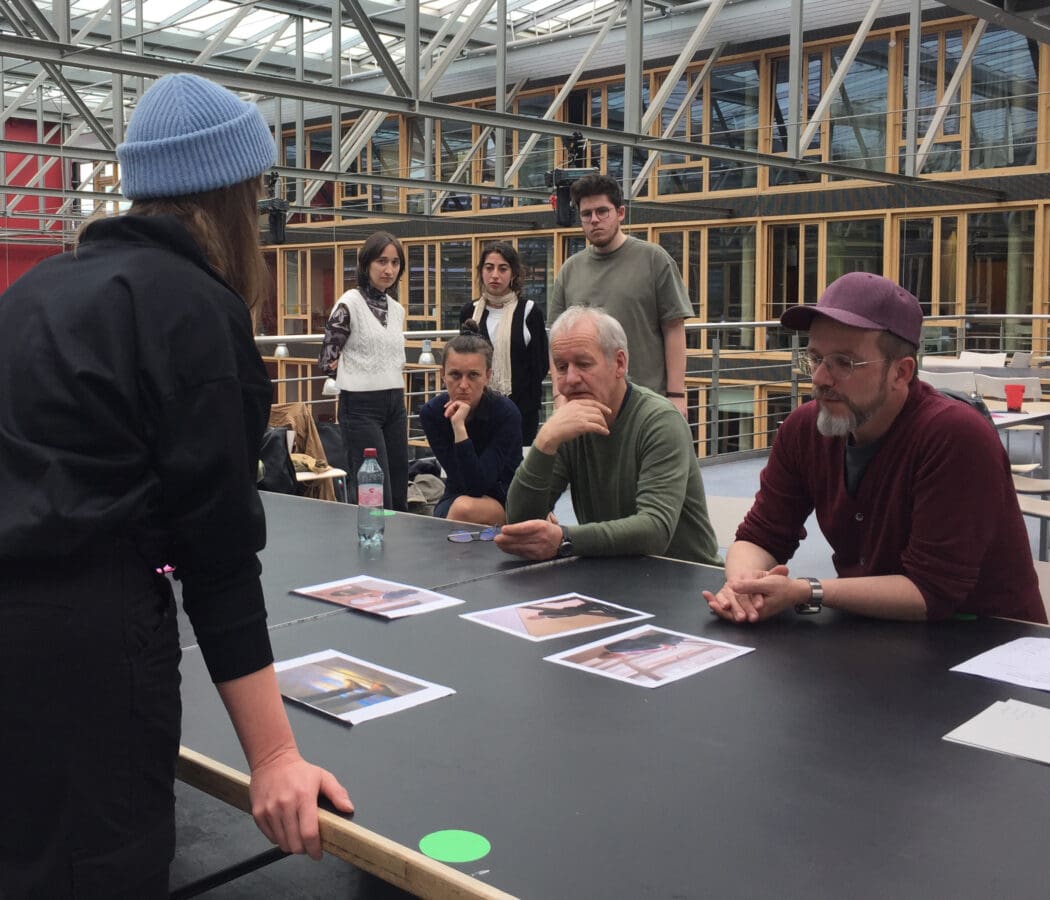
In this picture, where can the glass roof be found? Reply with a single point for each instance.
(254, 24)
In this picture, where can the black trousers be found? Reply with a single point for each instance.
(377, 419)
(89, 727)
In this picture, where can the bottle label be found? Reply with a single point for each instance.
(369, 495)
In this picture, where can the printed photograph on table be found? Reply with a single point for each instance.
(649, 657)
(551, 617)
(351, 689)
(389, 599)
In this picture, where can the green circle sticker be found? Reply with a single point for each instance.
(454, 846)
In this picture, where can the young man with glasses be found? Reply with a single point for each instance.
(911, 488)
(636, 282)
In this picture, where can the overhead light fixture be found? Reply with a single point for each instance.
(281, 351)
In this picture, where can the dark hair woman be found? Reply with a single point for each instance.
(474, 432)
(516, 329)
(132, 409)
(364, 348)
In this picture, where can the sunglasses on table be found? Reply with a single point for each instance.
(465, 537)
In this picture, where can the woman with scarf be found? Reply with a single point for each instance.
(517, 332)
(364, 350)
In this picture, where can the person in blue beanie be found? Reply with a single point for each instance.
(132, 404)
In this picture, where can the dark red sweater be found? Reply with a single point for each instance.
(936, 504)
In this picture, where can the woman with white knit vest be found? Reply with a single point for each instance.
(364, 348)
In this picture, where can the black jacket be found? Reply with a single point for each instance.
(132, 403)
(528, 363)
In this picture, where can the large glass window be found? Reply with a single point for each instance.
(999, 269)
(857, 116)
(854, 246)
(537, 260)
(731, 282)
(456, 281)
(454, 140)
(1004, 101)
(939, 55)
(782, 120)
(680, 173)
(792, 274)
(541, 158)
(733, 122)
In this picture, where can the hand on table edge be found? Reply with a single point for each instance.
(284, 788)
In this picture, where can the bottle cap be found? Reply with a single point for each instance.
(370, 452)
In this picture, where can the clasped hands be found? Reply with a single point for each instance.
(757, 595)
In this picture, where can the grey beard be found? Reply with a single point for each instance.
(835, 426)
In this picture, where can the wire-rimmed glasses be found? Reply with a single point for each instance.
(837, 365)
(465, 537)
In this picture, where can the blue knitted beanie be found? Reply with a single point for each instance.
(189, 135)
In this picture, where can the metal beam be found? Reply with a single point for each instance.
(911, 112)
(632, 87)
(798, 80)
(269, 85)
(1035, 26)
(55, 74)
(378, 49)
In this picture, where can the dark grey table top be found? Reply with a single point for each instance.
(813, 767)
(315, 541)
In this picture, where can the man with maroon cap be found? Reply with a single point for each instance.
(912, 489)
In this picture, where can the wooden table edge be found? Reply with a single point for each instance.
(386, 859)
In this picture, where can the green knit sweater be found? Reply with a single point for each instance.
(627, 487)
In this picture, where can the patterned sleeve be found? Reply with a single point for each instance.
(336, 332)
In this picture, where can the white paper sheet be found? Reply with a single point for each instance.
(1025, 661)
(1011, 727)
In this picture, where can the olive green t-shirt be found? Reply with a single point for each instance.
(640, 285)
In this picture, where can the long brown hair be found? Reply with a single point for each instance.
(225, 225)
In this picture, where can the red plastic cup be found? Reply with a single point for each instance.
(1014, 396)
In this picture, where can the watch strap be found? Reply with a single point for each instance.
(816, 598)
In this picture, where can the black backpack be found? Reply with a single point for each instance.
(973, 400)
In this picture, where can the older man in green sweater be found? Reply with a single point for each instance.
(625, 451)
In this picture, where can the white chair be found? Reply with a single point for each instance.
(953, 381)
(1042, 570)
(1022, 359)
(983, 360)
(991, 386)
(995, 387)
(726, 514)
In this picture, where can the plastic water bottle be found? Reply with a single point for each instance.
(370, 500)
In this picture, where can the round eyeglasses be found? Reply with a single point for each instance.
(465, 537)
(837, 365)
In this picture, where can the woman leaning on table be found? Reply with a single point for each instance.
(364, 349)
(516, 329)
(475, 433)
(132, 405)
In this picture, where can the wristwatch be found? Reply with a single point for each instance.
(816, 598)
(565, 548)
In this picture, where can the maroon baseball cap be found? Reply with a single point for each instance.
(863, 300)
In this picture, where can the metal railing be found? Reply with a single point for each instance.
(742, 378)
